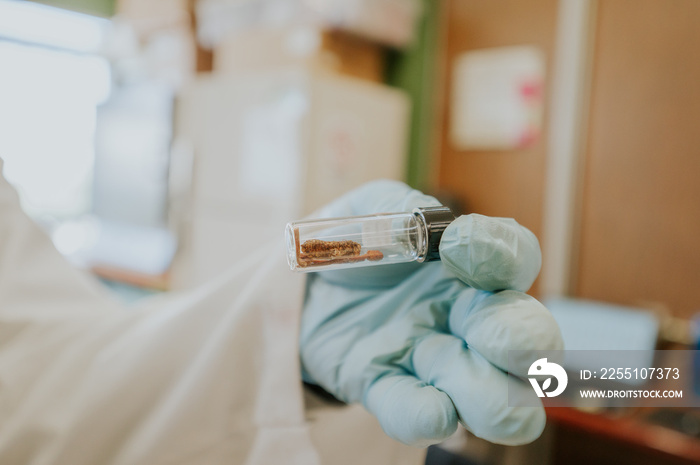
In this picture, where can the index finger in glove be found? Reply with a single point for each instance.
(491, 254)
(494, 324)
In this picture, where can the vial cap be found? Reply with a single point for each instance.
(436, 220)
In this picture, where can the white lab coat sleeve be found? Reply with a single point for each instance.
(207, 377)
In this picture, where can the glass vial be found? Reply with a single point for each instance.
(379, 239)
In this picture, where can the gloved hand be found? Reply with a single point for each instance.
(424, 345)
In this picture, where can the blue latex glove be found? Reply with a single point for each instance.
(418, 344)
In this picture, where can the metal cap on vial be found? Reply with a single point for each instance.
(436, 220)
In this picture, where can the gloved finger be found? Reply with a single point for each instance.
(478, 390)
(491, 253)
(493, 324)
(410, 410)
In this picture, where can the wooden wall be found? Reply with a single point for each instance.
(640, 223)
(496, 183)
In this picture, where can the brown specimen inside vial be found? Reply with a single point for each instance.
(316, 252)
(377, 239)
(358, 241)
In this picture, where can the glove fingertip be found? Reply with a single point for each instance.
(491, 254)
(412, 412)
(518, 426)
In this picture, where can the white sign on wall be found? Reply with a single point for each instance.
(497, 98)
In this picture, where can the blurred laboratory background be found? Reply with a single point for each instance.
(160, 141)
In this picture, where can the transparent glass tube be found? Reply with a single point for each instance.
(358, 241)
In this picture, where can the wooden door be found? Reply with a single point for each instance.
(640, 218)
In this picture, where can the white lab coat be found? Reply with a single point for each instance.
(209, 376)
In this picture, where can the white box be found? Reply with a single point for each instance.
(272, 146)
(389, 22)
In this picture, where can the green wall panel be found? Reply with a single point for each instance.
(103, 8)
(413, 70)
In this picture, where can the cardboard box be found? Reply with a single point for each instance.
(327, 50)
(271, 147)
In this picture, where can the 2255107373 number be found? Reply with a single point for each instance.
(639, 373)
